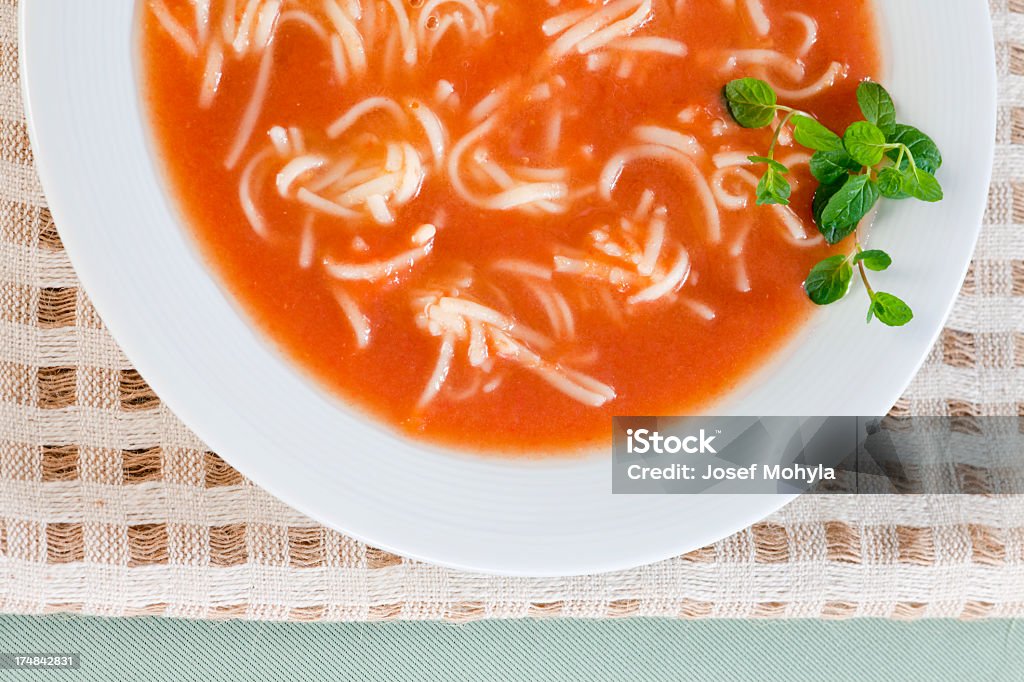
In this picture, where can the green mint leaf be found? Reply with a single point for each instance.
(847, 208)
(830, 167)
(890, 310)
(751, 102)
(865, 142)
(836, 233)
(771, 162)
(773, 188)
(878, 107)
(823, 195)
(890, 184)
(926, 154)
(874, 259)
(922, 185)
(813, 135)
(829, 280)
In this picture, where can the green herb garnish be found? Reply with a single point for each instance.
(876, 260)
(873, 159)
(829, 280)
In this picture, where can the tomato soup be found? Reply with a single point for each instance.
(494, 225)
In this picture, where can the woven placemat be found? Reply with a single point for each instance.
(109, 505)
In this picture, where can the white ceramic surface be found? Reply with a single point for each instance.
(550, 518)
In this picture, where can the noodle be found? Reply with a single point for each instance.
(787, 66)
(826, 80)
(202, 12)
(318, 203)
(652, 248)
(405, 30)
(351, 41)
(702, 310)
(173, 28)
(444, 364)
(595, 22)
(671, 282)
(252, 111)
(810, 27)
(619, 29)
(433, 128)
(514, 194)
(246, 198)
(523, 268)
(307, 20)
(364, 108)
(613, 170)
(288, 175)
(672, 48)
(212, 75)
(307, 246)
(360, 323)
(758, 16)
(377, 270)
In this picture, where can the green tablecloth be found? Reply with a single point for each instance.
(158, 649)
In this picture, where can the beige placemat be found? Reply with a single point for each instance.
(109, 505)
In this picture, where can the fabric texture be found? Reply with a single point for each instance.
(110, 506)
(563, 650)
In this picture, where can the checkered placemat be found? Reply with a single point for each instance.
(109, 505)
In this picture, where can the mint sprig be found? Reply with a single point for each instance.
(874, 159)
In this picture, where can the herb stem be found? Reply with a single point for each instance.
(860, 266)
(778, 131)
(910, 156)
(899, 159)
(863, 271)
(864, 278)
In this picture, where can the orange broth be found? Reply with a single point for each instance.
(661, 358)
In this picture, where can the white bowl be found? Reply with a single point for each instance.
(510, 517)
